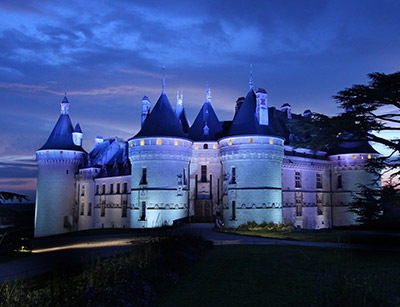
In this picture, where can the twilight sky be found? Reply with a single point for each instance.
(108, 54)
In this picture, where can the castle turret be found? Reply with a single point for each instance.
(159, 156)
(58, 161)
(251, 157)
(77, 135)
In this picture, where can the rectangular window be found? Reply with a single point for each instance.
(83, 190)
(143, 215)
(124, 209)
(82, 208)
(103, 189)
(319, 181)
(97, 189)
(339, 182)
(297, 176)
(118, 188)
(233, 179)
(89, 213)
(299, 204)
(125, 187)
(103, 209)
(184, 177)
(111, 188)
(144, 176)
(204, 173)
(233, 210)
(319, 205)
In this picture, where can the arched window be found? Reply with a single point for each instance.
(205, 146)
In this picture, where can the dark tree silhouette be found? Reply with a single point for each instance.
(4, 196)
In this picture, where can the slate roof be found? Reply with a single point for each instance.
(162, 121)
(100, 149)
(245, 121)
(184, 121)
(61, 136)
(78, 128)
(118, 165)
(206, 114)
(352, 147)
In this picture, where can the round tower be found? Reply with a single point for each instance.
(252, 186)
(348, 174)
(159, 156)
(58, 161)
(251, 157)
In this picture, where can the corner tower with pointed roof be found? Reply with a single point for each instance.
(58, 161)
(251, 157)
(159, 154)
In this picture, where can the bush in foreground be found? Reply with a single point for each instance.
(132, 279)
(280, 227)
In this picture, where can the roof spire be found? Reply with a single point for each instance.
(65, 105)
(208, 93)
(163, 80)
(251, 77)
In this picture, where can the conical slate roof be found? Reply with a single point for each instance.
(78, 128)
(245, 121)
(206, 115)
(162, 121)
(184, 121)
(61, 136)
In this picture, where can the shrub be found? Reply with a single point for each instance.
(132, 279)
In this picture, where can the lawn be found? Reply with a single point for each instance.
(265, 275)
(326, 235)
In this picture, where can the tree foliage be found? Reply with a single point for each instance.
(377, 207)
(4, 196)
(368, 110)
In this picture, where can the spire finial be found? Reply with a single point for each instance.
(208, 93)
(251, 77)
(163, 80)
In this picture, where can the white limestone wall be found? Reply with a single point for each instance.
(55, 211)
(351, 169)
(164, 196)
(257, 190)
(308, 217)
(85, 197)
(113, 203)
(205, 153)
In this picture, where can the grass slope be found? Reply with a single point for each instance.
(254, 275)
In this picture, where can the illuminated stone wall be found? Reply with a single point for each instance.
(251, 179)
(350, 168)
(162, 196)
(306, 205)
(55, 196)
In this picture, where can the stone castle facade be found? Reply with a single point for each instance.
(170, 171)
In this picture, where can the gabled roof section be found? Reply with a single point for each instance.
(206, 115)
(245, 121)
(61, 136)
(162, 121)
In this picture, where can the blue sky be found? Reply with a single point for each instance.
(108, 54)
